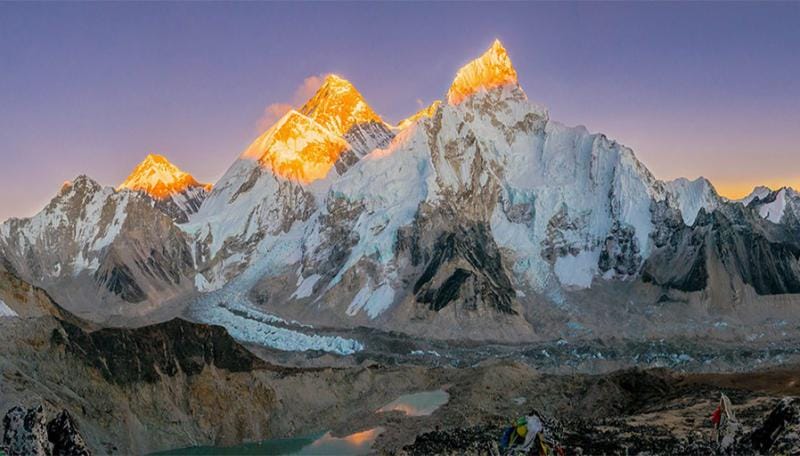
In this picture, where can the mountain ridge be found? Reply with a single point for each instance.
(480, 218)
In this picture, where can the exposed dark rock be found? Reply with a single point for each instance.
(466, 266)
(337, 236)
(120, 281)
(364, 137)
(25, 432)
(780, 433)
(620, 251)
(560, 227)
(762, 254)
(146, 354)
(475, 440)
(679, 258)
(190, 199)
(63, 433)
(255, 174)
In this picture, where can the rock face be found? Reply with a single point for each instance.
(146, 354)
(25, 432)
(65, 436)
(28, 433)
(780, 432)
(132, 390)
(747, 249)
(472, 441)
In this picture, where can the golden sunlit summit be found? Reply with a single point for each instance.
(490, 70)
(159, 178)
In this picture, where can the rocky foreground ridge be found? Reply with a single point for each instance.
(179, 384)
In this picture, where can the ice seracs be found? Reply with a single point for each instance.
(490, 70)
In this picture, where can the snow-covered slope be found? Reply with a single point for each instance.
(281, 176)
(99, 250)
(173, 191)
(421, 114)
(692, 196)
(773, 206)
(473, 205)
(5, 311)
(759, 192)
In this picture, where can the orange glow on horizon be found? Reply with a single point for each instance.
(735, 190)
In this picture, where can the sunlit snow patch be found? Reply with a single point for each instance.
(6, 311)
(305, 286)
(373, 302)
(577, 270)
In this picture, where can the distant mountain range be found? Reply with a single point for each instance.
(477, 218)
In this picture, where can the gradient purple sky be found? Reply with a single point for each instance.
(708, 89)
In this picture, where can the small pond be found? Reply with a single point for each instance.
(417, 404)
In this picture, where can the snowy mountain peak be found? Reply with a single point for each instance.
(159, 178)
(424, 112)
(297, 148)
(759, 192)
(490, 70)
(339, 106)
(691, 196)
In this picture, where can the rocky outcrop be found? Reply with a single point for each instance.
(471, 441)
(63, 433)
(462, 267)
(180, 206)
(733, 238)
(780, 432)
(26, 432)
(28, 301)
(147, 354)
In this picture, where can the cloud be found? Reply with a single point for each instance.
(307, 89)
(271, 115)
(274, 111)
